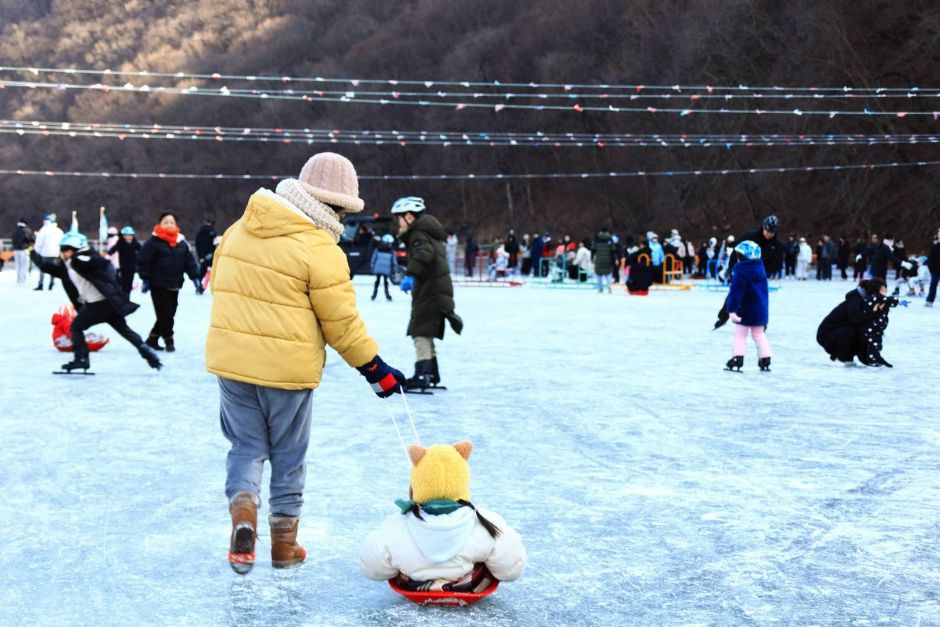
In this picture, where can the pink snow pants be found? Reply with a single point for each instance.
(757, 334)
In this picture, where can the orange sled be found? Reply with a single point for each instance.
(448, 598)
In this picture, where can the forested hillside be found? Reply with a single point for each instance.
(796, 43)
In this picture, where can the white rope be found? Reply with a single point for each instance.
(398, 431)
(410, 416)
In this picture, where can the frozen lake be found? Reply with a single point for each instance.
(649, 486)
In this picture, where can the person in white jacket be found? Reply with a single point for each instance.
(500, 264)
(802, 260)
(440, 540)
(582, 261)
(47, 245)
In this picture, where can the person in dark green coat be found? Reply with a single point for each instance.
(603, 259)
(428, 277)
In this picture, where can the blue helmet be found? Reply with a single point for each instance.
(770, 223)
(748, 249)
(49, 217)
(73, 240)
(127, 230)
(388, 238)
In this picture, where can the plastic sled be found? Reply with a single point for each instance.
(62, 332)
(443, 598)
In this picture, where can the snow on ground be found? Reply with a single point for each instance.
(649, 485)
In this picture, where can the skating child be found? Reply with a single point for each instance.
(384, 265)
(747, 306)
(91, 284)
(440, 540)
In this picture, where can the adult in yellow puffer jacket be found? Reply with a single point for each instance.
(281, 292)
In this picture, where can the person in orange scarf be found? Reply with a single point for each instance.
(163, 261)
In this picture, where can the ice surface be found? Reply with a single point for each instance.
(650, 486)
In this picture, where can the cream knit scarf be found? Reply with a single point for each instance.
(323, 217)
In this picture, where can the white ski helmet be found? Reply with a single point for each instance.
(388, 238)
(408, 204)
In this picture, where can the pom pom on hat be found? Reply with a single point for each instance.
(331, 179)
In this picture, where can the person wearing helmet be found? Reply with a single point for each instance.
(47, 245)
(771, 255)
(91, 284)
(428, 276)
(127, 249)
(281, 292)
(747, 306)
(383, 264)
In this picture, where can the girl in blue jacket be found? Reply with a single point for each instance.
(747, 306)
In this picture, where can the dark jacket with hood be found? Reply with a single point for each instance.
(22, 237)
(163, 265)
(771, 251)
(433, 298)
(933, 259)
(94, 268)
(127, 254)
(603, 254)
(879, 255)
(855, 329)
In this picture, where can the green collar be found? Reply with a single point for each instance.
(435, 507)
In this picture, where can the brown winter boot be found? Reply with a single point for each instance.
(284, 548)
(170, 346)
(241, 552)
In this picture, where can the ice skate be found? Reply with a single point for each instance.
(241, 552)
(436, 375)
(735, 364)
(421, 381)
(169, 345)
(146, 351)
(77, 363)
(284, 548)
(153, 341)
(764, 364)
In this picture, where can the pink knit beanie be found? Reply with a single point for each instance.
(331, 178)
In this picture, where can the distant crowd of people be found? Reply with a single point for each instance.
(539, 255)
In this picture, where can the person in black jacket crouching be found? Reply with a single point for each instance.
(91, 284)
(163, 261)
(856, 326)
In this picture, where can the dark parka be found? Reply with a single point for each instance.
(127, 253)
(433, 298)
(850, 330)
(98, 270)
(22, 237)
(879, 255)
(603, 254)
(163, 265)
(933, 259)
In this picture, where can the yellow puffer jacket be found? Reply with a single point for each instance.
(280, 293)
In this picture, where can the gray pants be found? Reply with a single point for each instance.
(265, 423)
(21, 257)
